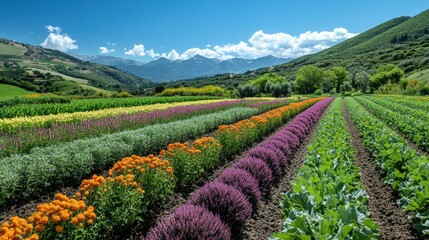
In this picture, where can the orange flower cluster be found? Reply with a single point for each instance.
(57, 213)
(265, 117)
(16, 228)
(129, 164)
(60, 211)
(204, 142)
(172, 147)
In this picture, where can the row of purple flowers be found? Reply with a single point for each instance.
(224, 204)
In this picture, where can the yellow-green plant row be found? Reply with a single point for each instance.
(11, 124)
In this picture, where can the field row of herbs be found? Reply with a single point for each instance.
(85, 105)
(105, 204)
(415, 128)
(13, 125)
(406, 170)
(222, 206)
(328, 200)
(25, 139)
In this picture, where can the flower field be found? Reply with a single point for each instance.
(209, 168)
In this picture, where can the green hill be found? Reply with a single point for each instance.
(44, 70)
(403, 41)
(7, 91)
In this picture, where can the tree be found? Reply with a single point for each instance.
(362, 79)
(247, 90)
(268, 77)
(386, 73)
(328, 82)
(159, 88)
(340, 76)
(346, 87)
(308, 79)
(286, 89)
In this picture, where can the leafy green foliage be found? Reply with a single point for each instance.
(413, 123)
(328, 201)
(389, 73)
(406, 170)
(308, 79)
(209, 90)
(268, 77)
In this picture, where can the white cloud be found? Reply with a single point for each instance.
(138, 50)
(260, 44)
(58, 41)
(173, 55)
(112, 44)
(106, 50)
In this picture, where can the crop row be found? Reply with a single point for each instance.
(410, 101)
(328, 200)
(28, 110)
(25, 139)
(134, 184)
(415, 129)
(13, 125)
(406, 170)
(224, 204)
(27, 175)
(43, 168)
(400, 108)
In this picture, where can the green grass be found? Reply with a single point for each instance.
(421, 75)
(10, 91)
(6, 49)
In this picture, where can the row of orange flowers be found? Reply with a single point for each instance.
(144, 180)
(236, 137)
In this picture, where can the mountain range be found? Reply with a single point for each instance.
(403, 41)
(165, 70)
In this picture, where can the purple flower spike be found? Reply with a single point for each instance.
(190, 222)
(228, 202)
(244, 182)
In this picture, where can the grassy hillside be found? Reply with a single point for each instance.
(403, 41)
(45, 70)
(8, 91)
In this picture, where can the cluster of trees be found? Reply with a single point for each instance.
(269, 84)
(338, 80)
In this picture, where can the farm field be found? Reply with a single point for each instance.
(10, 91)
(201, 168)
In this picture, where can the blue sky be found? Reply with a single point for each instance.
(144, 30)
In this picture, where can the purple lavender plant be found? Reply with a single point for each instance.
(190, 222)
(258, 169)
(228, 202)
(244, 182)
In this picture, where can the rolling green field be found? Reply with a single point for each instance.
(6, 49)
(422, 75)
(9, 91)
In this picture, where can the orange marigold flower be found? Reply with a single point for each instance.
(90, 222)
(59, 229)
(40, 228)
(65, 216)
(56, 218)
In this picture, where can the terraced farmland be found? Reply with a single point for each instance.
(193, 168)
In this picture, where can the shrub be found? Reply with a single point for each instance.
(269, 157)
(258, 169)
(244, 182)
(424, 91)
(190, 222)
(228, 202)
(276, 142)
(318, 92)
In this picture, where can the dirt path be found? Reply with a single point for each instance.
(392, 220)
(268, 218)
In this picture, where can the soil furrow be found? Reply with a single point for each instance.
(393, 221)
